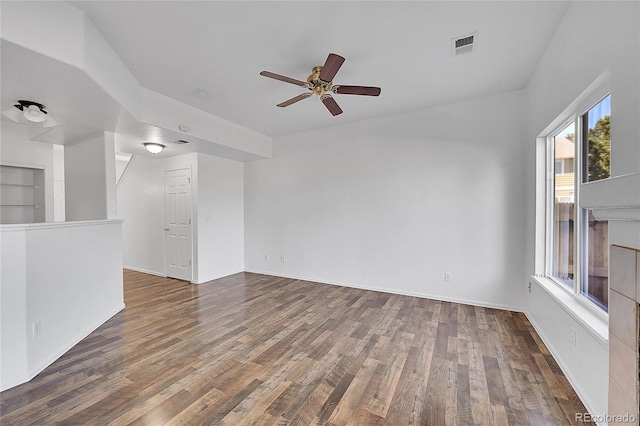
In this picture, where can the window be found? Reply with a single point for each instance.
(577, 245)
(596, 148)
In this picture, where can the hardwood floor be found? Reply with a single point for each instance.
(254, 349)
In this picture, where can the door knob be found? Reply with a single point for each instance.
(166, 229)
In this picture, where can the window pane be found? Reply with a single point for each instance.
(598, 144)
(595, 284)
(563, 206)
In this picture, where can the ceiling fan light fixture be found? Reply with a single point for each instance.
(320, 83)
(31, 111)
(153, 147)
(34, 114)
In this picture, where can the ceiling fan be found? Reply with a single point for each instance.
(320, 83)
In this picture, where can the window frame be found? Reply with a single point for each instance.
(550, 202)
(545, 167)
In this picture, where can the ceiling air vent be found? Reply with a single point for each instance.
(181, 142)
(465, 44)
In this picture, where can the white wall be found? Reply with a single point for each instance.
(110, 180)
(393, 203)
(141, 205)
(220, 217)
(592, 37)
(17, 150)
(90, 186)
(57, 29)
(13, 310)
(218, 225)
(58, 183)
(66, 276)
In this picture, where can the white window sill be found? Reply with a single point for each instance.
(595, 324)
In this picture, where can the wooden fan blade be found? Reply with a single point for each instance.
(331, 105)
(358, 90)
(294, 100)
(331, 67)
(283, 78)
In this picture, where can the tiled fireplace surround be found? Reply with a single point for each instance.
(624, 298)
(617, 199)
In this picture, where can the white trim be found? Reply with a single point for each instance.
(550, 288)
(575, 384)
(47, 362)
(55, 225)
(24, 165)
(545, 200)
(631, 214)
(549, 186)
(12, 382)
(601, 89)
(144, 271)
(592, 322)
(126, 169)
(614, 198)
(588, 98)
(392, 291)
(541, 238)
(33, 372)
(580, 258)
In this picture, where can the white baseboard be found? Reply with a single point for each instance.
(145, 271)
(33, 372)
(480, 303)
(574, 383)
(12, 382)
(218, 276)
(588, 404)
(87, 331)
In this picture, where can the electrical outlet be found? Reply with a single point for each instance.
(529, 287)
(37, 328)
(447, 277)
(282, 259)
(573, 338)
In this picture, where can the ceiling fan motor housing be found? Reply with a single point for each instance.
(318, 86)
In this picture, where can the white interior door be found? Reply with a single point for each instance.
(178, 228)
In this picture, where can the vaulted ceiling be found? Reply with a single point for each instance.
(179, 48)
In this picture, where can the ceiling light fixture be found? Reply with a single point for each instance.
(153, 147)
(32, 111)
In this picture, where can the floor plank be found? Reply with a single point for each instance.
(252, 349)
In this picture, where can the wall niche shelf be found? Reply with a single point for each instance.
(21, 194)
